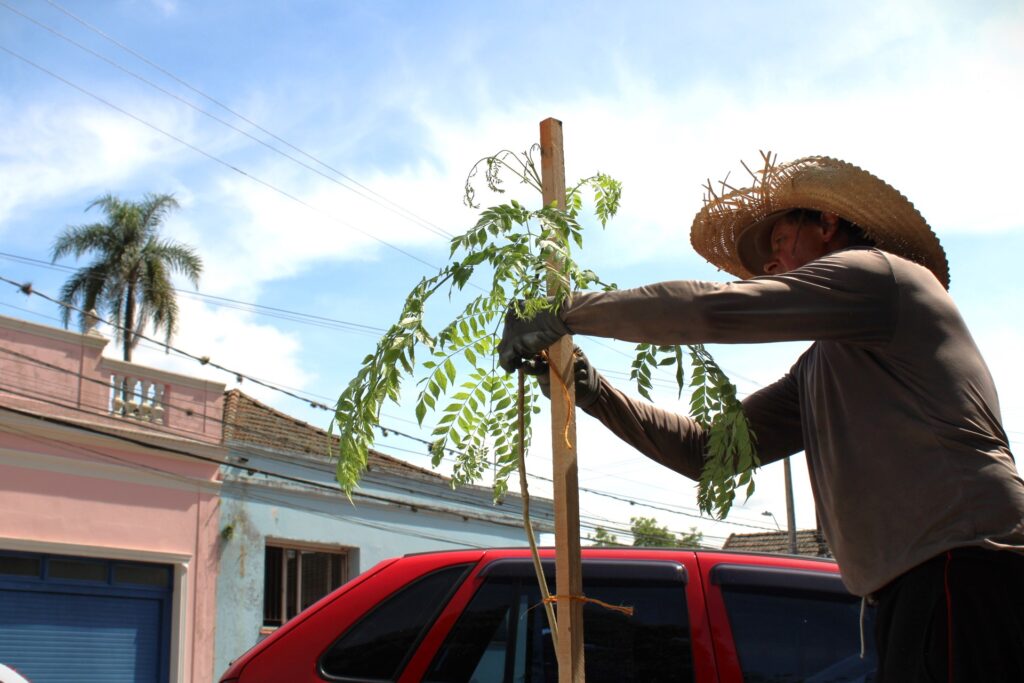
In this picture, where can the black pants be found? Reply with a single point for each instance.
(958, 617)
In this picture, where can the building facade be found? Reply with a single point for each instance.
(109, 481)
(154, 527)
(289, 535)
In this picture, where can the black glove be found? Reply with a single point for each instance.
(522, 339)
(586, 377)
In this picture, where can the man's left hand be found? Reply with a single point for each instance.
(524, 338)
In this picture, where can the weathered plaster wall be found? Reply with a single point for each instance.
(373, 532)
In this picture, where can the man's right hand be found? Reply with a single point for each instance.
(585, 377)
(523, 338)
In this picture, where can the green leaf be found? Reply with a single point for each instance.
(480, 418)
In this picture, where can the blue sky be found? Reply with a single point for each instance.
(403, 97)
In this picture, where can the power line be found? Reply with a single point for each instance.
(306, 318)
(228, 109)
(259, 309)
(314, 320)
(36, 313)
(266, 498)
(280, 498)
(385, 432)
(237, 428)
(244, 466)
(225, 302)
(27, 289)
(215, 158)
(436, 231)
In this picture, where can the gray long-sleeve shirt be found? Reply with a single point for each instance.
(892, 403)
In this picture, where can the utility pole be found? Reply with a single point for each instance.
(790, 511)
(565, 474)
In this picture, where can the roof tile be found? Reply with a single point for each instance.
(246, 420)
(808, 542)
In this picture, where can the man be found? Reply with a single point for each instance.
(913, 478)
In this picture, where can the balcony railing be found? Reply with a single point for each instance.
(137, 399)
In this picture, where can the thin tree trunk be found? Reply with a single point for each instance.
(129, 322)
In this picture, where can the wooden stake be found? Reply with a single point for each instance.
(568, 576)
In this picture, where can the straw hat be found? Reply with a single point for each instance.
(733, 229)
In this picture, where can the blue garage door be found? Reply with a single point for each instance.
(84, 620)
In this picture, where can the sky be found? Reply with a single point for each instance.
(319, 150)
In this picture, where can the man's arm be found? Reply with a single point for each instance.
(678, 443)
(848, 296)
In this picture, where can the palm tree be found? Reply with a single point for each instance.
(131, 278)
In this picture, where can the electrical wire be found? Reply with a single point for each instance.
(52, 391)
(221, 462)
(435, 231)
(384, 429)
(215, 158)
(26, 288)
(268, 498)
(249, 469)
(409, 214)
(281, 498)
(220, 301)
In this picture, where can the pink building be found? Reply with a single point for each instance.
(108, 512)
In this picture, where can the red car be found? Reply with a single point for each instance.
(474, 615)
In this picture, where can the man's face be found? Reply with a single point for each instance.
(795, 244)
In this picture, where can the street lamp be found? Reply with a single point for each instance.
(768, 513)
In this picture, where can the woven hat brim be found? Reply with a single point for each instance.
(742, 216)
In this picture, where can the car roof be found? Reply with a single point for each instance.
(627, 551)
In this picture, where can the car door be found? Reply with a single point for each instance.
(644, 621)
(786, 620)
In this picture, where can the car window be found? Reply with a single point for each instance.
(503, 635)
(377, 646)
(789, 635)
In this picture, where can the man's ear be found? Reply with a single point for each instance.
(829, 225)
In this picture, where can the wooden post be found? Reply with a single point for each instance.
(568, 576)
(790, 508)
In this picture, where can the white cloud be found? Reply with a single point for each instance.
(266, 236)
(50, 152)
(167, 7)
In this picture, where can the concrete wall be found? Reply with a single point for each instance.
(425, 516)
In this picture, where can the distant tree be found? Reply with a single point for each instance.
(692, 539)
(603, 539)
(646, 532)
(130, 280)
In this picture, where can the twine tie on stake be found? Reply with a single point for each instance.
(565, 393)
(628, 611)
(547, 600)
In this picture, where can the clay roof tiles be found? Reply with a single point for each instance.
(808, 542)
(246, 420)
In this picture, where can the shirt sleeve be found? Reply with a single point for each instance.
(678, 442)
(846, 296)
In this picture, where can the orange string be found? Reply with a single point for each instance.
(565, 393)
(628, 611)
